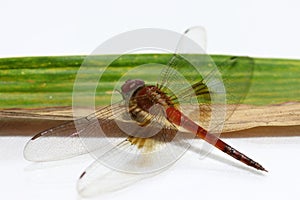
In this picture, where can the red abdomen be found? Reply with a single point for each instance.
(176, 117)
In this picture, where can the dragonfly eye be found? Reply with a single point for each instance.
(131, 85)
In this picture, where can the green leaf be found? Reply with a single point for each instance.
(32, 82)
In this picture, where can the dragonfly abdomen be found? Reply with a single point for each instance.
(180, 119)
(239, 156)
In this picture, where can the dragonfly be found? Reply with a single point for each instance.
(152, 125)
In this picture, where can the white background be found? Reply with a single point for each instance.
(253, 28)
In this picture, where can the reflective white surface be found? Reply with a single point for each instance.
(216, 176)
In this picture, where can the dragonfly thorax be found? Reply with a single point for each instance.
(147, 102)
(137, 94)
(148, 96)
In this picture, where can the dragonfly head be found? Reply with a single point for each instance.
(130, 86)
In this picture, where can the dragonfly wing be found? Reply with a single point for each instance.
(191, 79)
(207, 92)
(69, 139)
(54, 144)
(146, 155)
(236, 75)
(132, 160)
(98, 179)
(195, 33)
